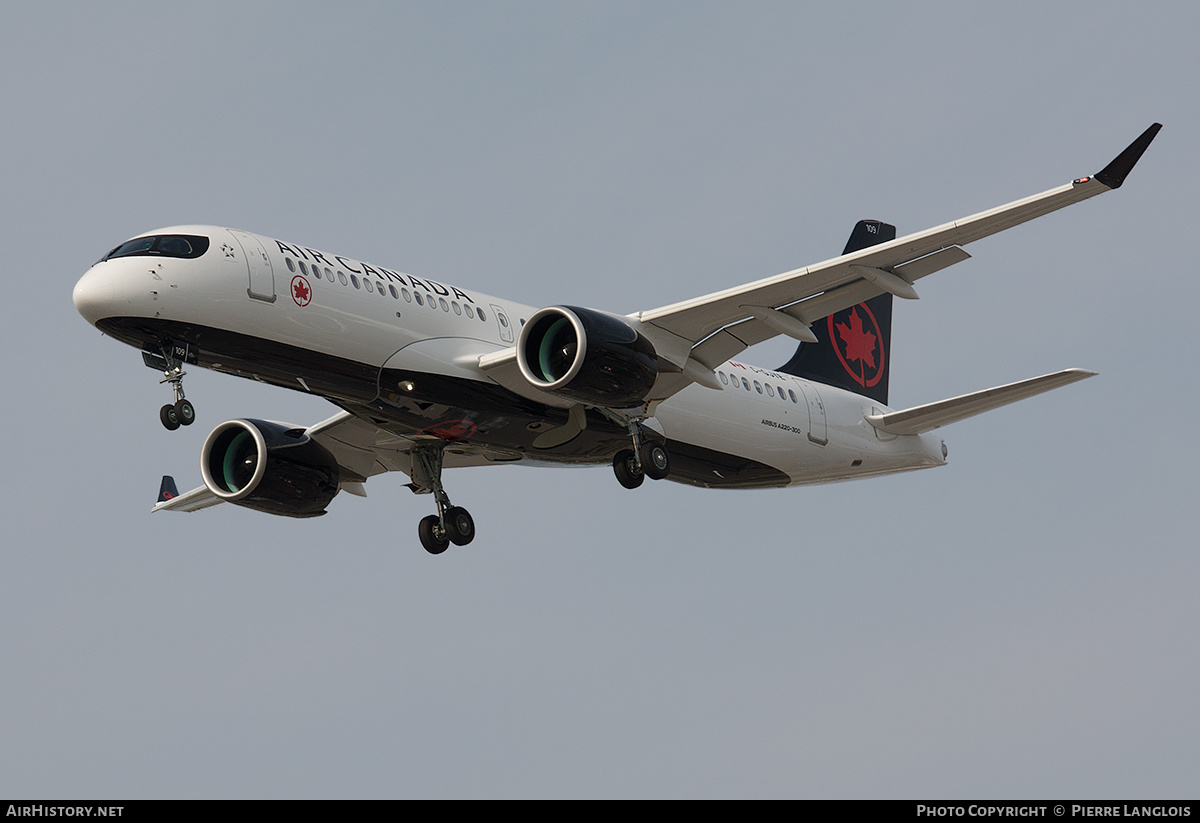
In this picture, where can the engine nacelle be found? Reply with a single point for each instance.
(587, 356)
(269, 467)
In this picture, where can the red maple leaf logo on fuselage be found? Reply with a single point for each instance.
(301, 291)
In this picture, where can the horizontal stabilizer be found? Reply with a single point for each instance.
(932, 415)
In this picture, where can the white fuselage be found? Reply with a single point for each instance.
(343, 329)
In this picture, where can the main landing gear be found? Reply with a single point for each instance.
(169, 359)
(452, 524)
(647, 458)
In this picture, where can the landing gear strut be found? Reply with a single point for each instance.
(452, 524)
(169, 359)
(647, 458)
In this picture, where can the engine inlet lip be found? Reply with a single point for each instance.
(260, 469)
(533, 325)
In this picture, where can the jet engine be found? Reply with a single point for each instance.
(269, 467)
(587, 356)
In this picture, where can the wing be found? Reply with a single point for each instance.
(170, 498)
(362, 450)
(720, 325)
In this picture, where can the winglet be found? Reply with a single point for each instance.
(1114, 174)
(168, 489)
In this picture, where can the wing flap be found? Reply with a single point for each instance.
(736, 338)
(933, 415)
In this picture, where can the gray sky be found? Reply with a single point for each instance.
(1021, 623)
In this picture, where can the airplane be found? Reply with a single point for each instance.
(429, 376)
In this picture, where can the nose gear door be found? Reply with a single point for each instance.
(262, 278)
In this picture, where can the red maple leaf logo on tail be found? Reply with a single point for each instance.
(860, 345)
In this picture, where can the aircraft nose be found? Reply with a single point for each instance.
(93, 295)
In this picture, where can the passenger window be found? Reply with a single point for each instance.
(367, 285)
(342, 277)
(407, 295)
(467, 308)
(444, 304)
(291, 266)
(354, 280)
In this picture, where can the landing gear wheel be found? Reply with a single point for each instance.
(656, 463)
(169, 417)
(433, 536)
(185, 413)
(460, 527)
(629, 473)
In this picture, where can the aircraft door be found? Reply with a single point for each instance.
(818, 431)
(262, 278)
(506, 330)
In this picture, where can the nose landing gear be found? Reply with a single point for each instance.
(452, 524)
(169, 359)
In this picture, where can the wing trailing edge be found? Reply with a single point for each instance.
(925, 418)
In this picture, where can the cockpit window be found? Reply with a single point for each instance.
(162, 245)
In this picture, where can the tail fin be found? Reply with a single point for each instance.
(854, 348)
